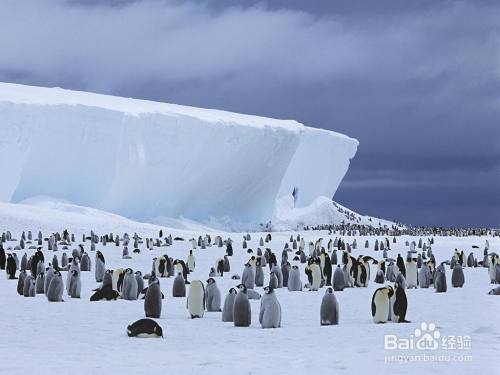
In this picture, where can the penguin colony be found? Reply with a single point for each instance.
(327, 265)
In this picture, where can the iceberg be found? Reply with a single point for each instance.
(143, 159)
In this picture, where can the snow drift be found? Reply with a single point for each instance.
(145, 159)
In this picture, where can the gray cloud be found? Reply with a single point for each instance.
(418, 84)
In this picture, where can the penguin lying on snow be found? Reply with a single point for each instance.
(144, 328)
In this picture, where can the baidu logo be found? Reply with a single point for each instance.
(427, 337)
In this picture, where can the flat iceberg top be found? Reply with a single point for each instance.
(23, 94)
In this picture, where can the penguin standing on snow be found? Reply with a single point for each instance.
(100, 266)
(56, 288)
(179, 286)
(400, 305)
(294, 282)
(401, 265)
(75, 284)
(180, 266)
(339, 279)
(457, 277)
(440, 280)
(129, 288)
(191, 263)
(227, 310)
(152, 301)
(242, 312)
(411, 272)
(11, 268)
(381, 304)
(212, 296)
(329, 311)
(270, 309)
(196, 299)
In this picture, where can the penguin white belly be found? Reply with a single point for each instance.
(190, 264)
(411, 275)
(195, 302)
(316, 276)
(493, 272)
(381, 308)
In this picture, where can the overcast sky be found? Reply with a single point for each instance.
(417, 83)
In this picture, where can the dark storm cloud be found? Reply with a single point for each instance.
(418, 83)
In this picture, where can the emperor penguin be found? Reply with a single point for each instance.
(495, 259)
(144, 328)
(470, 260)
(495, 291)
(350, 269)
(279, 274)
(212, 296)
(24, 262)
(363, 271)
(401, 265)
(10, 268)
(20, 282)
(242, 312)
(56, 288)
(227, 310)
(294, 282)
(273, 280)
(100, 267)
(270, 309)
(440, 280)
(64, 260)
(227, 265)
(457, 277)
(75, 284)
(379, 277)
(29, 286)
(130, 287)
(85, 263)
(219, 267)
(285, 270)
(179, 286)
(196, 299)
(399, 304)
(180, 266)
(381, 304)
(259, 273)
(313, 272)
(191, 261)
(339, 279)
(117, 279)
(424, 276)
(327, 269)
(140, 282)
(329, 311)
(39, 283)
(411, 272)
(248, 276)
(48, 279)
(74, 266)
(152, 301)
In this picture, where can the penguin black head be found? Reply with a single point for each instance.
(242, 288)
(129, 271)
(158, 330)
(210, 280)
(329, 290)
(74, 273)
(233, 291)
(268, 290)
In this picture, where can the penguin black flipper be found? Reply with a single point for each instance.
(374, 308)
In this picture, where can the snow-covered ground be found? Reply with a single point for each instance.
(80, 337)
